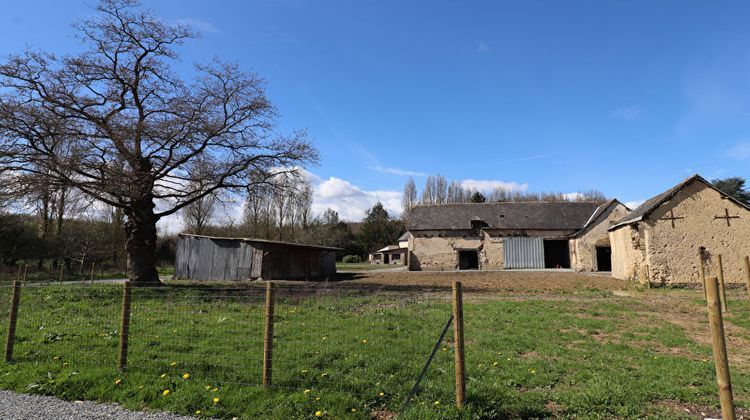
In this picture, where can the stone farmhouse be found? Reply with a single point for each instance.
(511, 235)
(660, 241)
(667, 238)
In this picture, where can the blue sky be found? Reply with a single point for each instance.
(628, 97)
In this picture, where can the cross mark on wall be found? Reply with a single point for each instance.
(726, 216)
(671, 217)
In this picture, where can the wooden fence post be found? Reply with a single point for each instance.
(25, 271)
(12, 320)
(723, 291)
(268, 337)
(60, 278)
(747, 275)
(719, 344)
(458, 344)
(91, 274)
(702, 274)
(122, 360)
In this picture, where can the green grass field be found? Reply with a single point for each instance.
(352, 354)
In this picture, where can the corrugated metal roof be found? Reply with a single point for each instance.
(266, 241)
(509, 215)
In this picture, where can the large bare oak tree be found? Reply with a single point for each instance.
(118, 123)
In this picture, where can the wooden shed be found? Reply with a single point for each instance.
(215, 258)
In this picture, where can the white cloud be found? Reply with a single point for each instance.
(573, 196)
(396, 171)
(633, 204)
(483, 47)
(198, 24)
(740, 151)
(489, 185)
(628, 114)
(352, 202)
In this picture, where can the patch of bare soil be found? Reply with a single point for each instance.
(688, 410)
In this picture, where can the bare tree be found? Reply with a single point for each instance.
(197, 215)
(456, 193)
(117, 123)
(429, 194)
(441, 190)
(409, 198)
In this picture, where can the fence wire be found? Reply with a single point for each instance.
(363, 348)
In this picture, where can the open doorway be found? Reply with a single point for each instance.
(603, 258)
(556, 254)
(468, 260)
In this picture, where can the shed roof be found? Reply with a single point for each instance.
(654, 202)
(507, 215)
(265, 241)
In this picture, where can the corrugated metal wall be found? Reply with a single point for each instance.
(201, 258)
(523, 252)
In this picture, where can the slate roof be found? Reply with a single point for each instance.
(654, 202)
(601, 213)
(510, 215)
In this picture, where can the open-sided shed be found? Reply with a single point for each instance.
(215, 258)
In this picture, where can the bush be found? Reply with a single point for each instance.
(351, 259)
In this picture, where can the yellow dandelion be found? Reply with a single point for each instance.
(533, 371)
(325, 338)
(307, 391)
(318, 413)
(56, 358)
(381, 394)
(166, 392)
(317, 398)
(480, 365)
(65, 364)
(216, 400)
(323, 375)
(208, 387)
(185, 376)
(173, 364)
(354, 410)
(215, 389)
(197, 411)
(304, 370)
(494, 364)
(163, 375)
(437, 403)
(118, 381)
(509, 359)
(364, 341)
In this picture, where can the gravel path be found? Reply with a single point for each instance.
(27, 407)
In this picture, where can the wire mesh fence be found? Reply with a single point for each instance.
(336, 349)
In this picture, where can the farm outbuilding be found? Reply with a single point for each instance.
(661, 240)
(508, 235)
(215, 258)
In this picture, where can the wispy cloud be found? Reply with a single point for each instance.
(200, 25)
(629, 113)
(488, 185)
(396, 171)
(535, 157)
(483, 47)
(740, 151)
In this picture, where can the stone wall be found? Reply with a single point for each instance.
(672, 252)
(583, 248)
(438, 250)
(628, 251)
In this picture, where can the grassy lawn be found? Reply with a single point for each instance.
(350, 354)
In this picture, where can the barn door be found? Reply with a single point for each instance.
(523, 252)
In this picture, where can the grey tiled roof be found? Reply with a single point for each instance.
(507, 215)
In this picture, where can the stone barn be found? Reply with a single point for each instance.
(214, 258)
(661, 240)
(507, 235)
(590, 249)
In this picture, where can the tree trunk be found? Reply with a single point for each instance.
(141, 243)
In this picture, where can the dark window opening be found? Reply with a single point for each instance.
(396, 257)
(603, 258)
(556, 254)
(468, 260)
